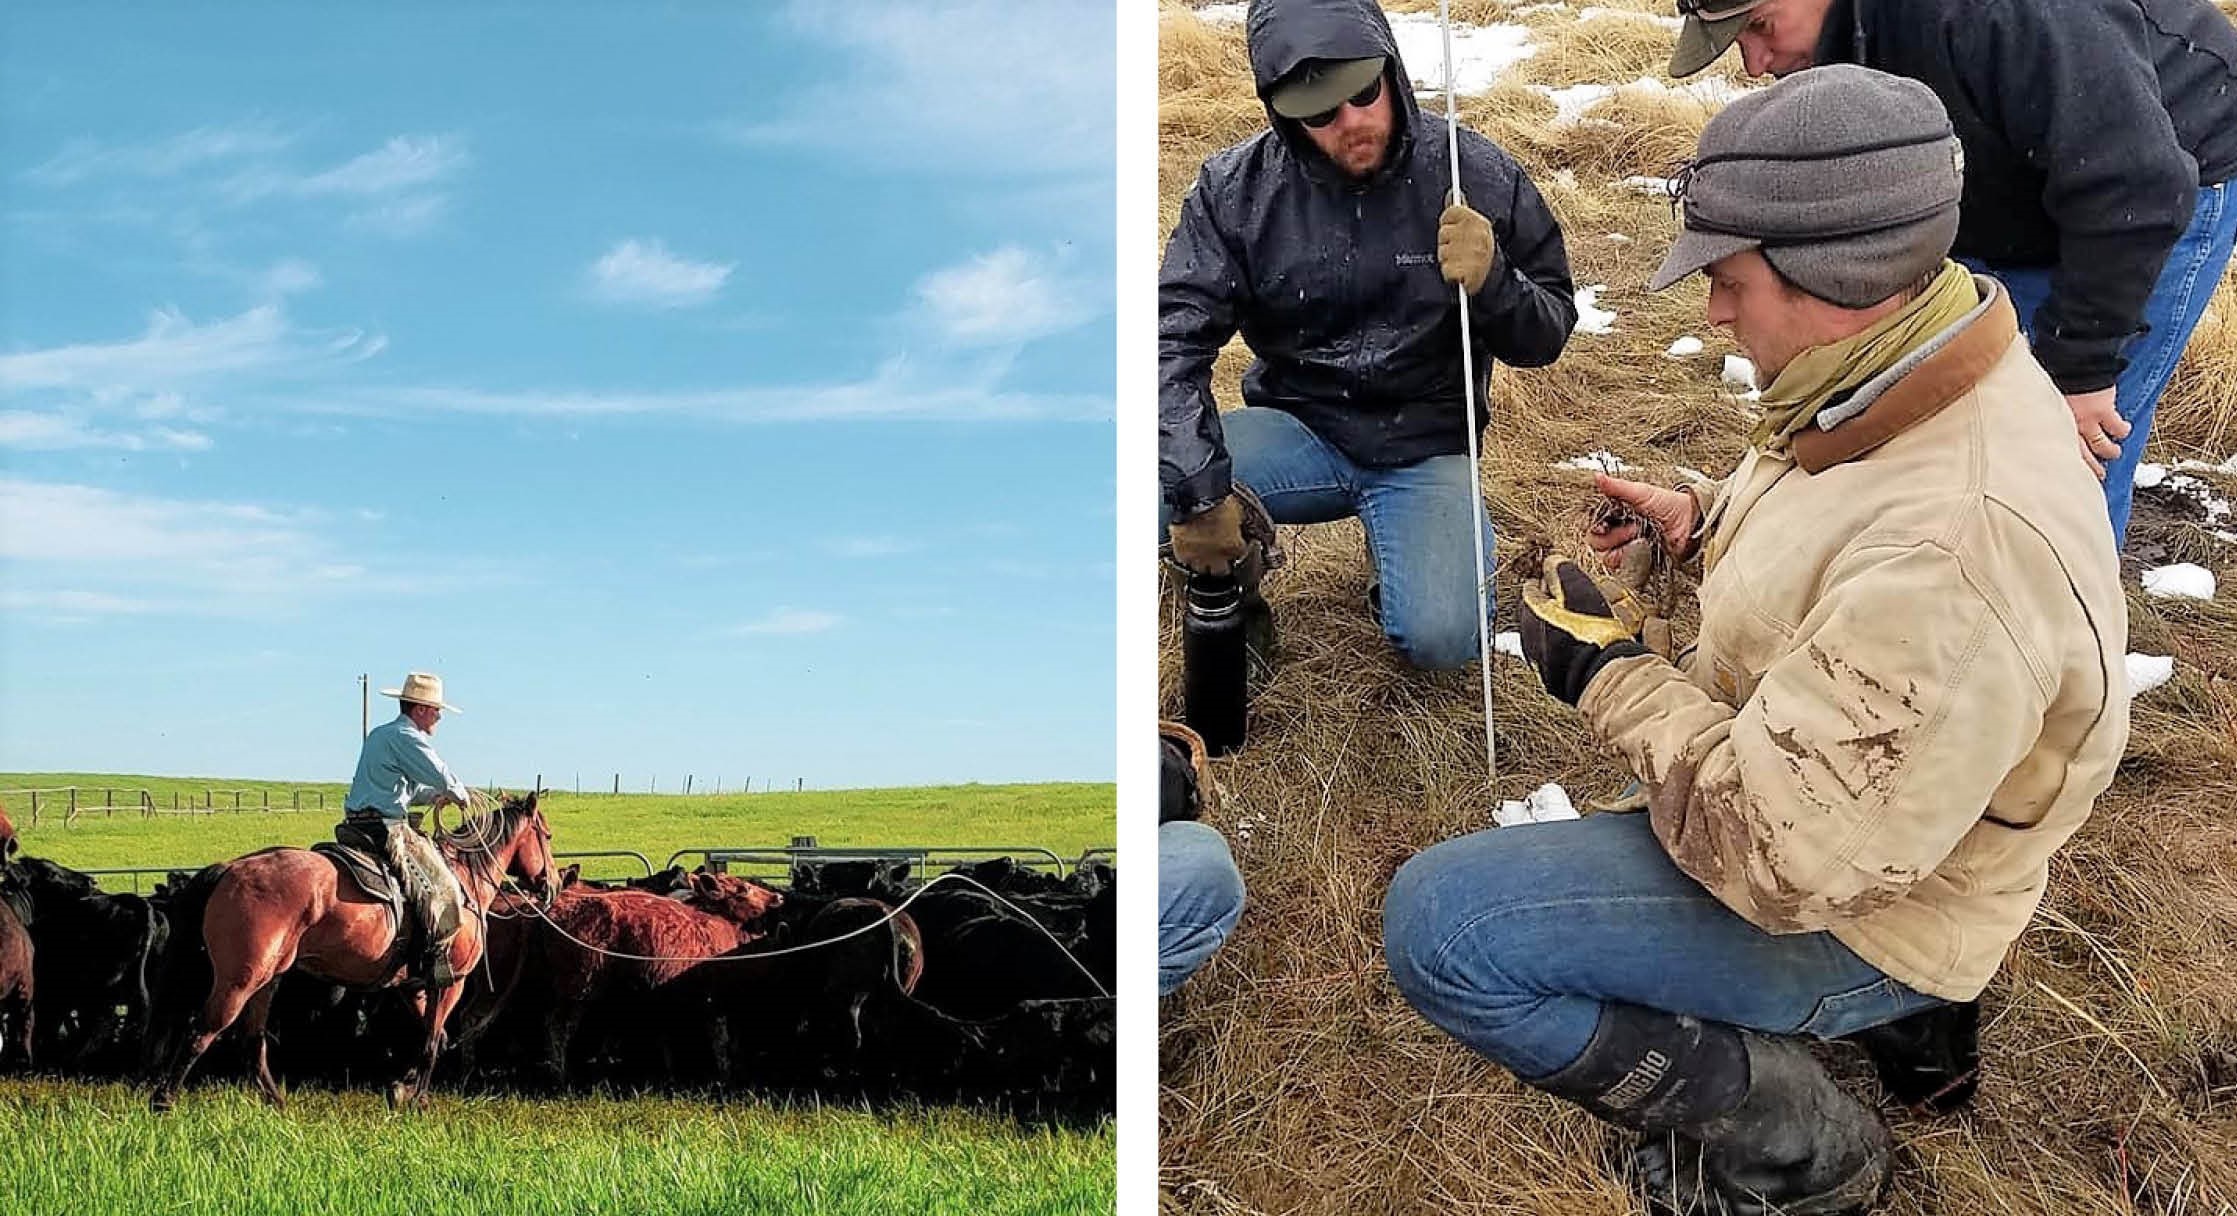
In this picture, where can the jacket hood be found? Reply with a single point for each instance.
(1285, 33)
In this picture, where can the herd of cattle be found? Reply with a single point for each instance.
(681, 980)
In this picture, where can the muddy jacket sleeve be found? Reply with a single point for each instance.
(1528, 305)
(2074, 89)
(1199, 289)
(1860, 760)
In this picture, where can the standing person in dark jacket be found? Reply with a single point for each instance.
(1329, 242)
(2100, 140)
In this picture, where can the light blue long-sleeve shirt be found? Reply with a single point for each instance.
(399, 770)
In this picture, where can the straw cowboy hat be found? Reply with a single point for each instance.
(422, 689)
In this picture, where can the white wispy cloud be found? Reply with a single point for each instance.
(61, 430)
(142, 393)
(76, 550)
(1005, 297)
(896, 392)
(84, 159)
(788, 621)
(870, 546)
(973, 86)
(399, 189)
(175, 349)
(403, 165)
(290, 276)
(644, 272)
(405, 162)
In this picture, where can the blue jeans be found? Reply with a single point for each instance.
(1511, 939)
(1416, 517)
(2179, 299)
(1199, 897)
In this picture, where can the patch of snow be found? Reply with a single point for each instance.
(1669, 23)
(2148, 671)
(1565, 178)
(1619, 238)
(1656, 187)
(1596, 462)
(1713, 91)
(2149, 475)
(1224, 14)
(2181, 581)
(2228, 466)
(1739, 373)
(1571, 103)
(1684, 348)
(1508, 643)
(2227, 538)
(1546, 804)
(1480, 53)
(2215, 507)
(1591, 318)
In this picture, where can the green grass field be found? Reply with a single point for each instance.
(96, 1151)
(1064, 818)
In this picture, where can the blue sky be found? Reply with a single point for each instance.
(722, 389)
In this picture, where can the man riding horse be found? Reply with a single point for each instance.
(397, 770)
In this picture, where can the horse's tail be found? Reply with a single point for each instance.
(183, 984)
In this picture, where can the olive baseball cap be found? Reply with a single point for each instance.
(1711, 27)
(1322, 84)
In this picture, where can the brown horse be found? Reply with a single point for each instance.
(283, 909)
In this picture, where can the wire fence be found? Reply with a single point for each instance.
(70, 802)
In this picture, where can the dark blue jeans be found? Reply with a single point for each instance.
(1199, 898)
(1511, 939)
(2194, 268)
(1416, 517)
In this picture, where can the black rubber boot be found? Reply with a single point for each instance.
(1929, 1061)
(1736, 1123)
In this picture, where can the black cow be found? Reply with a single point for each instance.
(94, 954)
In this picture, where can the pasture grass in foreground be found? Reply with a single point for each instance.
(96, 1151)
(1065, 818)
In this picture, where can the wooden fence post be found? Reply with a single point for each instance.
(34, 808)
(108, 804)
(617, 783)
(72, 817)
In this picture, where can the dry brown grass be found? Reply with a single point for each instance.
(1294, 1077)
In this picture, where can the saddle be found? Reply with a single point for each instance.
(372, 876)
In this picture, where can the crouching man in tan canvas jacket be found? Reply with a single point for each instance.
(1907, 691)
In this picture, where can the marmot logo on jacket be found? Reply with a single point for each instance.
(1417, 259)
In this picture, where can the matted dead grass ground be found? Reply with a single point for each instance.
(1294, 1077)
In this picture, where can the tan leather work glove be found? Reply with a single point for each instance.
(1465, 252)
(1210, 542)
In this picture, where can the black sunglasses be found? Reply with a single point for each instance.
(1363, 98)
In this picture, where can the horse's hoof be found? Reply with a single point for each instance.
(398, 1095)
(160, 1102)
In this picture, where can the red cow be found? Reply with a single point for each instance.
(15, 985)
(741, 901)
(603, 951)
(8, 845)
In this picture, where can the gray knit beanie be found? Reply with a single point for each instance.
(1848, 180)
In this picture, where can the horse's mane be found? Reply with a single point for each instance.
(479, 832)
